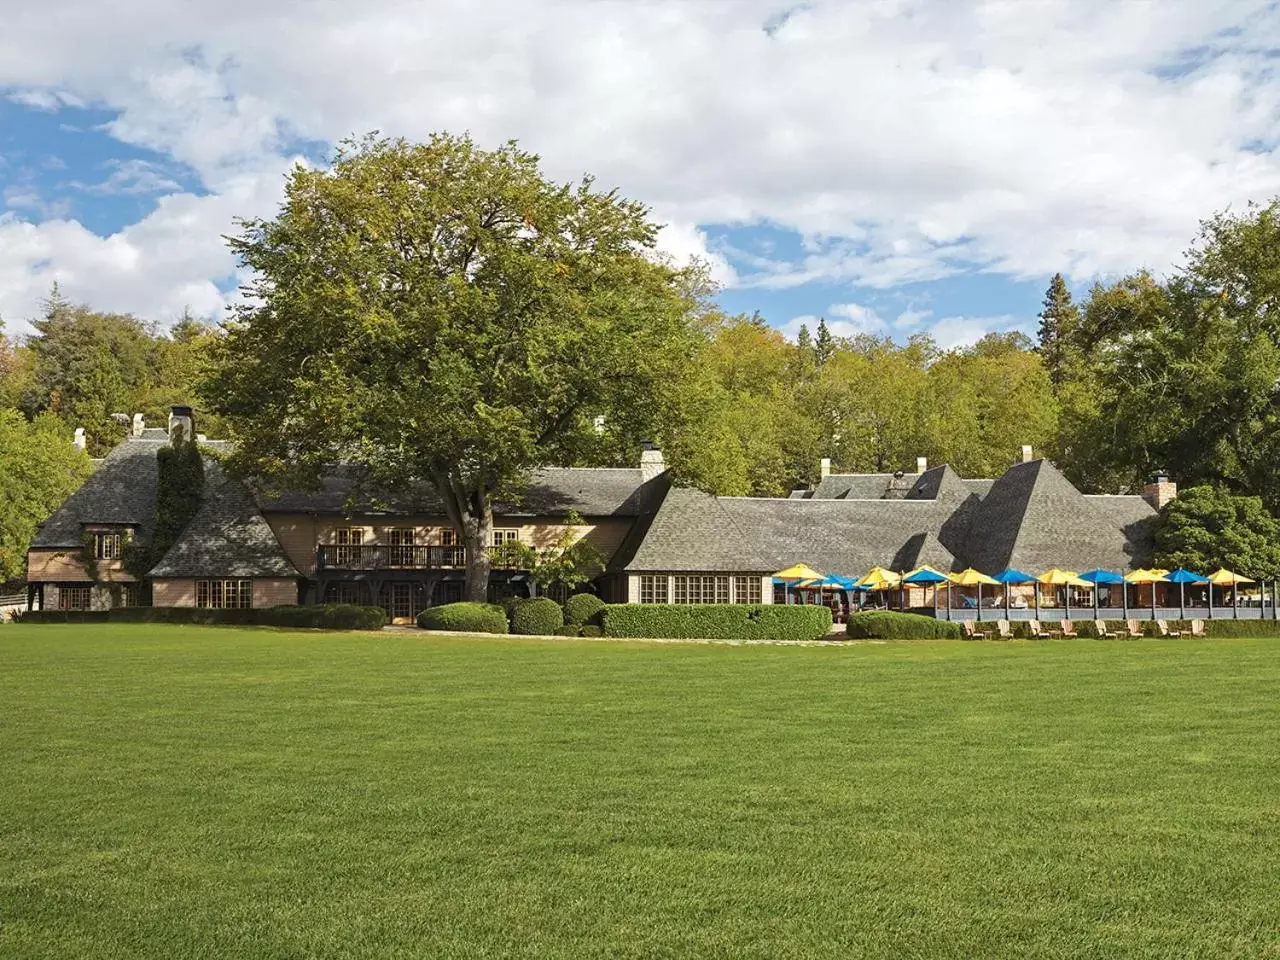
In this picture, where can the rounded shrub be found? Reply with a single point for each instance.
(591, 630)
(568, 630)
(582, 608)
(886, 625)
(539, 616)
(465, 618)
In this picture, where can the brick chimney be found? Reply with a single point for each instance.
(824, 467)
(139, 424)
(79, 439)
(1159, 491)
(1027, 455)
(652, 463)
(922, 464)
(184, 418)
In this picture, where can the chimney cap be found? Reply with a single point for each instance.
(180, 411)
(648, 445)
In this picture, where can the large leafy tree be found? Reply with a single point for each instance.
(444, 316)
(1207, 528)
(39, 468)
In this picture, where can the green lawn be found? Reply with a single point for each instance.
(185, 792)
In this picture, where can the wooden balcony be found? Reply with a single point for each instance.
(411, 557)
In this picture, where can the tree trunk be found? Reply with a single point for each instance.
(477, 535)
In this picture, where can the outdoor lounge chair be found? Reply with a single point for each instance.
(971, 631)
(1100, 626)
(1039, 631)
(1133, 631)
(1163, 627)
(1197, 628)
(1068, 629)
(1003, 630)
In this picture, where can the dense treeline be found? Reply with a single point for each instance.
(1141, 375)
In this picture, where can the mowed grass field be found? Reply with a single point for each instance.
(176, 792)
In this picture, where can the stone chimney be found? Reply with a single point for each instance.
(1159, 491)
(184, 418)
(824, 468)
(139, 424)
(79, 439)
(1027, 456)
(652, 463)
(922, 464)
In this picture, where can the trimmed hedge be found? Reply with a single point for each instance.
(465, 618)
(884, 625)
(330, 616)
(1242, 628)
(582, 608)
(719, 621)
(537, 616)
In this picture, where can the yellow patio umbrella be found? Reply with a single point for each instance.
(1147, 576)
(1063, 578)
(799, 571)
(1223, 577)
(972, 578)
(878, 578)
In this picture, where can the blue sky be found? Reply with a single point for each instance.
(899, 167)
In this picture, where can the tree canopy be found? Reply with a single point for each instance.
(1206, 528)
(438, 314)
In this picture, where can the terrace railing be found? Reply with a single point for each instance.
(404, 557)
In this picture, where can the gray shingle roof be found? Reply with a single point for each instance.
(924, 549)
(122, 490)
(1033, 519)
(553, 491)
(696, 531)
(227, 537)
(860, 486)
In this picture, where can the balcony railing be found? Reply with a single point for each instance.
(404, 557)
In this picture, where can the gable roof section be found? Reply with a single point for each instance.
(921, 550)
(691, 530)
(122, 490)
(1034, 519)
(861, 486)
(552, 491)
(227, 537)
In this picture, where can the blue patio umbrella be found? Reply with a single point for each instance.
(1182, 577)
(1010, 575)
(926, 575)
(1108, 577)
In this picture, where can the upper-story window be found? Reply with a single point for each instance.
(401, 541)
(504, 535)
(346, 538)
(107, 544)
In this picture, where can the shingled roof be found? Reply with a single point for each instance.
(227, 537)
(1034, 519)
(121, 491)
(553, 491)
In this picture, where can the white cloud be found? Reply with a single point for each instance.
(953, 332)
(904, 140)
(132, 178)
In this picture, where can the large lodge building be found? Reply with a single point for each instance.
(662, 543)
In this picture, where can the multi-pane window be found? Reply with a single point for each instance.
(349, 540)
(401, 540)
(75, 598)
(653, 589)
(746, 589)
(128, 595)
(504, 535)
(224, 594)
(107, 544)
(688, 588)
(454, 553)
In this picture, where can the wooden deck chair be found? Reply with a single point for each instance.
(1197, 628)
(1163, 627)
(1068, 629)
(1039, 631)
(1132, 630)
(971, 631)
(1003, 630)
(1101, 627)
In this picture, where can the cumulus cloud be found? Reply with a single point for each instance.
(901, 141)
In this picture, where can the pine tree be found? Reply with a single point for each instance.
(1059, 321)
(825, 346)
(803, 341)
